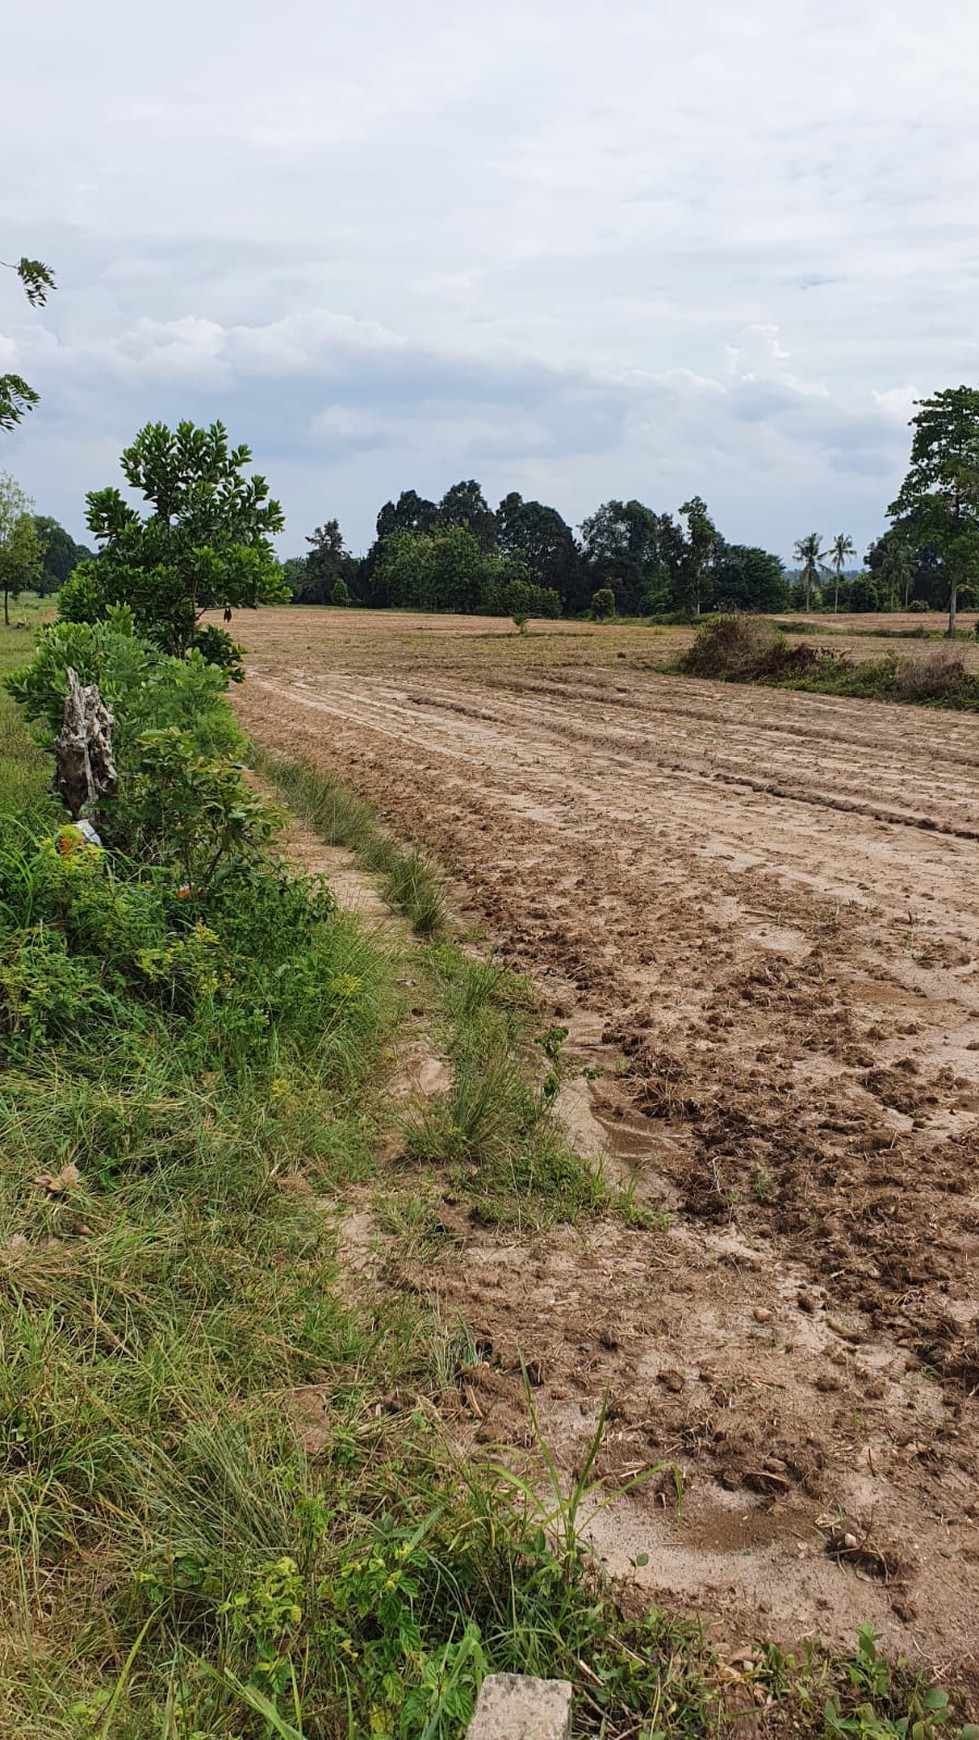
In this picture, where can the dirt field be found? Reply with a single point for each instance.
(757, 914)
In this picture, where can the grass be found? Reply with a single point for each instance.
(229, 1511)
(409, 880)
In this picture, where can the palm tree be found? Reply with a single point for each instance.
(840, 550)
(809, 555)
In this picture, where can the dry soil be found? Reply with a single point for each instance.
(757, 914)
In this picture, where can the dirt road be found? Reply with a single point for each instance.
(758, 914)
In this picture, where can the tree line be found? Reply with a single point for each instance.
(459, 554)
(522, 557)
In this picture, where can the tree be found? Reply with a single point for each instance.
(328, 561)
(540, 536)
(840, 550)
(938, 503)
(699, 547)
(340, 593)
(747, 578)
(809, 556)
(623, 551)
(61, 555)
(20, 547)
(16, 397)
(464, 507)
(206, 543)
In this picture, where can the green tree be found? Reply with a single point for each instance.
(61, 555)
(21, 558)
(464, 507)
(340, 593)
(938, 503)
(747, 578)
(206, 542)
(16, 397)
(697, 561)
(540, 536)
(840, 551)
(623, 550)
(328, 561)
(809, 557)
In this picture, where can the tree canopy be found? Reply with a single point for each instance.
(205, 543)
(938, 503)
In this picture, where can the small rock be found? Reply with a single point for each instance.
(762, 1314)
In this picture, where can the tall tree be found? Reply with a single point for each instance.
(61, 554)
(410, 513)
(329, 562)
(809, 557)
(543, 540)
(840, 551)
(206, 543)
(464, 506)
(622, 549)
(938, 503)
(16, 397)
(699, 547)
(747, 578)
(20, 547)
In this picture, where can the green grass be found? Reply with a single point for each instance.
(228, 1510)
(409, 880)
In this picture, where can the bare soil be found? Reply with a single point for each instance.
(757, 914)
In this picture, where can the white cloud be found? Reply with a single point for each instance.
(590, 249)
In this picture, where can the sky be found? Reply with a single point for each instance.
(577, 248)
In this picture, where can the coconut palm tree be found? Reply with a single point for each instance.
(809, 556)
(840, 550)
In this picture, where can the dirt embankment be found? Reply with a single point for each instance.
(757, 912)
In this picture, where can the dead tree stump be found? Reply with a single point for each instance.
(84, 768)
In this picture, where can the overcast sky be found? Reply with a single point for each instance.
(579, 249)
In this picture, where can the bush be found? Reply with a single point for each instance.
(918, 604)
(734, 648)
(939, 676)
(602, 607)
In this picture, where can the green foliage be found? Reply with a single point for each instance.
(340, 593)
(809, 556)
(602, 607)
(938, 503)
(16, 397)
(21, 556)
(60, 555)
(206, 543)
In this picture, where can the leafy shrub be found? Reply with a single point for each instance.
(144, 688)
(602, 608)
(918, 604)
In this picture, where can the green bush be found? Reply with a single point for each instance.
(602, 608)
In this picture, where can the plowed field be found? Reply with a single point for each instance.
(757, 914)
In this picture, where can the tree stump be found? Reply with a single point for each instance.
(84, 768)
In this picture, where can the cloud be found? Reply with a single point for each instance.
(559, 246)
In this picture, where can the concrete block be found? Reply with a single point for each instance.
(517, 1707)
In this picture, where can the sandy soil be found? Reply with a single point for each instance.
(757, 915)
